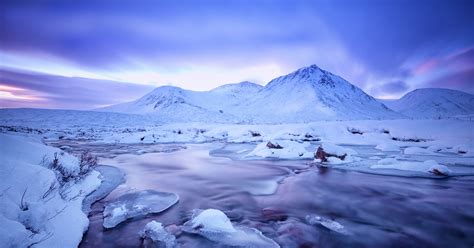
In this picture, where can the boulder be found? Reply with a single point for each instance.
(323, 155)
(274, 146)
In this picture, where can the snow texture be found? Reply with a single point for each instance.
(289, 150)
(35, 210)
(214, 225)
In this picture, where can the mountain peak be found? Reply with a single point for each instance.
(309, 70)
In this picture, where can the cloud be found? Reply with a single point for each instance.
(200, 45)
(463, 80)
(30, 89)
(387, 90)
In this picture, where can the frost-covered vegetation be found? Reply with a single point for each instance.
(42, 189)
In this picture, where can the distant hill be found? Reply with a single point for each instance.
(433, 103)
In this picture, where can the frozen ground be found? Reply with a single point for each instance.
(34, 211)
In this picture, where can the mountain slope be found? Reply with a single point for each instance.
(172, 104)
(308, 94)
(433, 103)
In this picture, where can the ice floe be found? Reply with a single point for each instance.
(137, 204)
(327, 223)
(111, 178)
(158, 235)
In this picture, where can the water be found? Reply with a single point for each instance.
(275, 196)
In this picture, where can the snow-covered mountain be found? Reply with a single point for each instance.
(433, 103)
(171, 103)
(308, 94)
(311, 93)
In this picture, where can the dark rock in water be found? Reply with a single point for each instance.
(255, 134)
(438, 172)
(323, 156)
(274, 214)
(355, 131)
(274, 146)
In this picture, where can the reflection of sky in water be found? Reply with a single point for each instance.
(377, 210)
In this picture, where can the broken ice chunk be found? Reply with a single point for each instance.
(137, 204)
(327, 223)
(155, 232)
(214, 225)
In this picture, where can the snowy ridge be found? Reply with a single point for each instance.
(308, 94)
(433, 103)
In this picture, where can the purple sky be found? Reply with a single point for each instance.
(52, 51)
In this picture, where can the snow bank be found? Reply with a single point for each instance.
(137, 204)
(34, 208)
(214, 225)
(286, 150)
(428, 166)
(160, 237)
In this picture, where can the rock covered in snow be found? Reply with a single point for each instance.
(214, 225)
(330, 153)
(284, 149)
(327, 223)
(270, 145)
(212, 221)
(137, 204)
(158, 235)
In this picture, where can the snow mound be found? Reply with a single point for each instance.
(160, 237)
(428, 166)
(388, 147)
(283, 149)
(214, 225)
(332, 225)
(137, 204)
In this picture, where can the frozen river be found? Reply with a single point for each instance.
(276, 196)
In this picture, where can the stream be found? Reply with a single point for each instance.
(275, 196)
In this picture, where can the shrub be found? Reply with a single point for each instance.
(87, 162)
